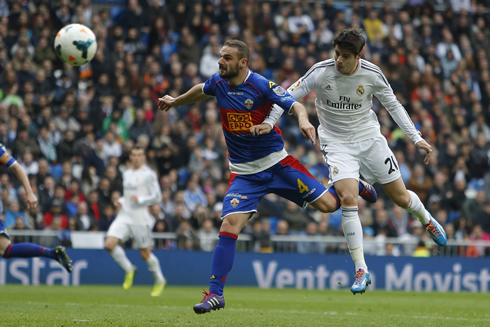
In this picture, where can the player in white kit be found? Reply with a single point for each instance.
(141, 189)
(351, 140)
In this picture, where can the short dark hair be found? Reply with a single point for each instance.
(138, 147)
(242, 47)
(350, 39)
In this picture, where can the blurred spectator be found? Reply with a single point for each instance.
(187, 237)
(207, 236)
(12, 214)
(421, 250)
(261, 238)
(313, 245)
(282, 229)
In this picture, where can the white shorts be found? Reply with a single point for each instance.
(372, 158)
(141, 234)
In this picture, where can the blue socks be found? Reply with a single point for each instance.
(223, 258)
(28, 250)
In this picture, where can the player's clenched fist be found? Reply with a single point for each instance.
(165, 103)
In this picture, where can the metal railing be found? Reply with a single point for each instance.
(276, 243)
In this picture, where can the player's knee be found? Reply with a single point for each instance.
(402, 200)
(347, 198)
(109, 247)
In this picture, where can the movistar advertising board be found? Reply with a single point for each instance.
(303, 271)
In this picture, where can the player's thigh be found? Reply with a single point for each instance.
(120, 230)
(292, 181)
(141, 235)
(378, 163)
(397, 192)
(342, 160)
(145, 253)
(4, 243)
(244, 193)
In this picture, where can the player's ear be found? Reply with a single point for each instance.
(244, 62)
(359, 55)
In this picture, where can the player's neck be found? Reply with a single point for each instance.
(137, 167)
(354, 70)
(240, 78)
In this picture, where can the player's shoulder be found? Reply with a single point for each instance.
(215, 79)
(147, 170)
(320, 67)
(369, 67)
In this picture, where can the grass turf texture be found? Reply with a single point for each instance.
(112, 306)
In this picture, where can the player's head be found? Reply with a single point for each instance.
(234, 58)
(348, 46)
(137, 156)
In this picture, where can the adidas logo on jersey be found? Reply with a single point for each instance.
(328, 88)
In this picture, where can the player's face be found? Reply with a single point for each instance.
(137, 158)
(345, 61)
(229, 64)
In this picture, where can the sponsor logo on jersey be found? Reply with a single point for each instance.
(236, 195)
(249, 103)
(288, 98)
(235, 93)
(279, 90)
(341, 105)
(360, 90)
(296, 85)
(328, 88)
(239, 122)
(271, 84)
(234, 202)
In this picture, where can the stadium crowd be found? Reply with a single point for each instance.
(71, 128)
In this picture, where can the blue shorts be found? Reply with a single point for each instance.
(3, 231)
(288, 179)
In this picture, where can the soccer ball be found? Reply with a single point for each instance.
(75, 44)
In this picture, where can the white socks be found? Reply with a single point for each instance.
(122, 260)
(154, 267)
(353, 235)
(417, 208)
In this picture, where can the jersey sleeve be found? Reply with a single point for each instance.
(279, 96)
(154, 193)
(385, 95)
(210, 85)
(298, 90)
(5, 158)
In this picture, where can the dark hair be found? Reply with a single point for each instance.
(242, 47)
(137, 147)
(350, 39)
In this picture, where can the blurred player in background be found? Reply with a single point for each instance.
(141, 189)
(259, 164)
(351, 140)
(26, 250)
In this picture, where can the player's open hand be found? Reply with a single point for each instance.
(308, 130)
(31, 201)
(427, 148)
(260, 129)
(165, 103)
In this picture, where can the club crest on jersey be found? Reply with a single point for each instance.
(360, 90)
(234, 202)
(279, 90)
(249, 103)
(335, 170)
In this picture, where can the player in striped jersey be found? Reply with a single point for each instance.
(26, 250)
(351, 140)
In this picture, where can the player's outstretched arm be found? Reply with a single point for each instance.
(195, 94)
(21, 175)
(306, 128)
(427, 148)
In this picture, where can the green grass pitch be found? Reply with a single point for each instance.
(112, 306)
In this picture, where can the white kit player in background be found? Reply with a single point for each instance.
(351, 140)
(141, 189)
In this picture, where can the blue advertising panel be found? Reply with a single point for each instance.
(303, 271)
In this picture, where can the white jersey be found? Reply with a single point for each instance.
(344, 102)
(143, 183)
